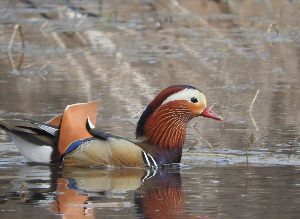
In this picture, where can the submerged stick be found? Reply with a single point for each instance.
(17, 28)
(253, 121)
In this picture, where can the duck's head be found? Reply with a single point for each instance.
(164, 120)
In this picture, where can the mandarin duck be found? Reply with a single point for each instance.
(70, 138)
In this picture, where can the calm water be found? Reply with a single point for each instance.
(123, 53)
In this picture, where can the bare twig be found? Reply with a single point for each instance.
(11, 60)
(24, 192)
(43, 26)
(250, 110)
(199, 133)
(81, 38)
(81, 21)
(58, 40)
(253, 101)
(21, 57)
(138, 113)
(17, 28)
(271, 27)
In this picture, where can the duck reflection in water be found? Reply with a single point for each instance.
(161, 196)
(155, 194)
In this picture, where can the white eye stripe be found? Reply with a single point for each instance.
(185, 94)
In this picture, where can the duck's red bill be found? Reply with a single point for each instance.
(211, 114)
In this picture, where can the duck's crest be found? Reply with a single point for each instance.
(158, 100)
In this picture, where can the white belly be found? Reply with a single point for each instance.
(32, 152)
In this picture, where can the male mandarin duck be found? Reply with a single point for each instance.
(71, 138)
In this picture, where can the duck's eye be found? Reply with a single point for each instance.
(194, 100)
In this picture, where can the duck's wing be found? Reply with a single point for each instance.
(110, 152)
(56, 120)
(33, 131)
(106, 149)
(97, 133)
(35, 140)
(73, 123)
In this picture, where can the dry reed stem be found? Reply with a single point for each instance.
(17, 28)
(199, 133)
(250, 110)
(253, 101)
(43, 26)
(138, 113)
(271, 27)
(81, 21)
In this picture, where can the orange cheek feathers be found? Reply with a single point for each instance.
(197, 108)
